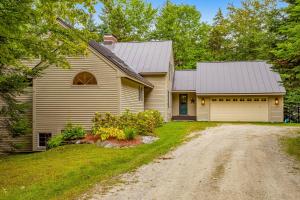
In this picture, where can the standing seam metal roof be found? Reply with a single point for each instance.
(143, 57)
(184, 80)
(250, 77)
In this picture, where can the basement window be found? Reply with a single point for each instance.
(43, 139)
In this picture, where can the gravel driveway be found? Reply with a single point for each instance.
(226, 162)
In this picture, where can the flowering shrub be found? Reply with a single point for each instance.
(143, 123)
(106, 133)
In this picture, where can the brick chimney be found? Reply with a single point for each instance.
(109, 39)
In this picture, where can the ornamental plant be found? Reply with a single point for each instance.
(106, 133)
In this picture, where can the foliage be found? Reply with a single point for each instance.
(55, 141)
(106, 133)
(72, 132)
(250, 28)
(29, 29)
(130, 133)
(73, 169)
(106, 121)
(143, 122)
(286, 58)
(128, 19)
(181, 24)
(292, 145)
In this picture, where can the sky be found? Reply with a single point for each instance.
(208, 8)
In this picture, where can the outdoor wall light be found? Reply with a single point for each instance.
(202, 101)
(276, 101)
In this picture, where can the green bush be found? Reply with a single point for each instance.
(55, 141)
(73, 132)
(144, 122)
(107, 120)
(130, 133)
(127, 120)
(106, 133)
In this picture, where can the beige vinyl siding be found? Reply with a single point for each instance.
(191, 106)
(157, 98)
(57, 101)
(276, 111)
(24, 142)
(203, 111)
(130, 96)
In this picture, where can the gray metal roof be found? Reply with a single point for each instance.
(249, 77)
(184, 80)
(118, 62)
(143, 57)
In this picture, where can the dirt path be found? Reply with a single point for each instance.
(226, 162)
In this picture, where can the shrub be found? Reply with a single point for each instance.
(127, 120)
(72, 132)
(106, 121)
(144, 122)
(55, 141)
(130, 133)
(106, 133)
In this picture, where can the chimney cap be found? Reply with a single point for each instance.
(109, 39)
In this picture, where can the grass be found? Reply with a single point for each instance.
(68, 171)
(292, 145)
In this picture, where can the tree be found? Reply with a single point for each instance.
(249, 26)
(218, 43)
(128, 19)
(286, 58)
(181, 24)
(29, 30)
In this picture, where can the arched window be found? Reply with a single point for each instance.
(84, 78)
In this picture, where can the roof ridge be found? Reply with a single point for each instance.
(145, 41)
(232, 61)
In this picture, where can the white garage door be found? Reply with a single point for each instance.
(239, 109)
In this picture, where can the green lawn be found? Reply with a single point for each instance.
(68, 171)
(292, 145)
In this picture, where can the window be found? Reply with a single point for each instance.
(84, 78)
(235, 99)
(263, 99)
(256, 99)
(227, 99)
(242, 99)
(43, 139)
(214, 99)
(221, 99)
(141, 93)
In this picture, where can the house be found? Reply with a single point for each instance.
(116, 76)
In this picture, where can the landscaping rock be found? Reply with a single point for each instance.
(106, 144)
(149, 139)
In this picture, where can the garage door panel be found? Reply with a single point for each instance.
(239, 111)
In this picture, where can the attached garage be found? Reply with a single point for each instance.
(239, 91)
(239, 109)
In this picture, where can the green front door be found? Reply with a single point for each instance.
(183, 100)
